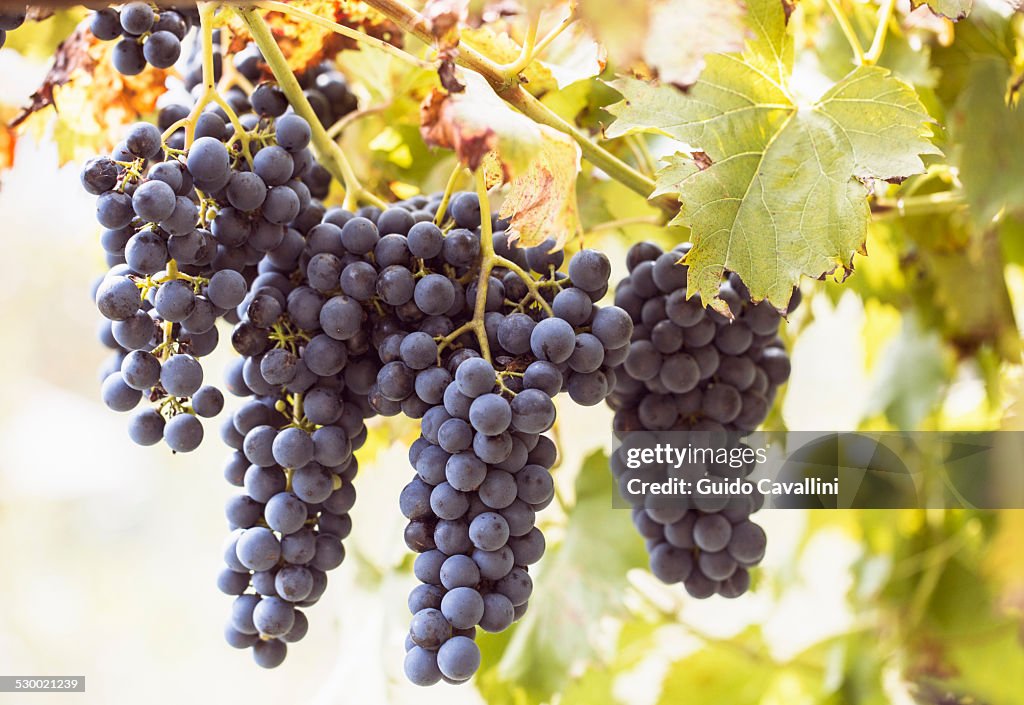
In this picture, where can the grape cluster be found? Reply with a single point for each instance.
(10, 21)
(339, 316)
(293, 455)
(366, 310)
(690, 368)
(146, 35)
(293, 441)
(482, 462)
(180, 261)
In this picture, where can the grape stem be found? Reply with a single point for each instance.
(449, 188)
(487, 261)
(638, 146)
(168, 330)
(532, 52)
(329, 152)
(335, 130)
(531, 284)
(848, 31)
(210, 94)
(928, 204)
(878, 43)
(529, 46)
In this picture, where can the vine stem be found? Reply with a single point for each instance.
(550, 37)
(329, 152)
(529, 46)
(487, 261)
(848, 32)
(509, 89)
(878, 43)
(341, 29)
(941, 202)
(449, 188)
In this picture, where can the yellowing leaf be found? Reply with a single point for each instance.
(93, 102)
(953, 9)
(542, 202)
(476, 122)
(782, 192)
(683, 32)
(573, 56)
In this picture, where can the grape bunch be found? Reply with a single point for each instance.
(363, 326)
(10, 21)
(177, 259)
(482, 464)
(308, 376)
(690, 368)
(293, 455)
(146, 35)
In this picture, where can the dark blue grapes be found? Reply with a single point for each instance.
(689, 368)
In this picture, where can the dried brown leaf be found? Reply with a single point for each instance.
(441, 127)
(443, 18)
(476, 122)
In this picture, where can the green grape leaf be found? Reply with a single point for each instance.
(990, 138)
(953, 9)
(678, 168)
(586, 575)
(782, 191)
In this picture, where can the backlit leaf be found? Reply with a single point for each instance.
(541, 203)
(786, 190)
(304, 44)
